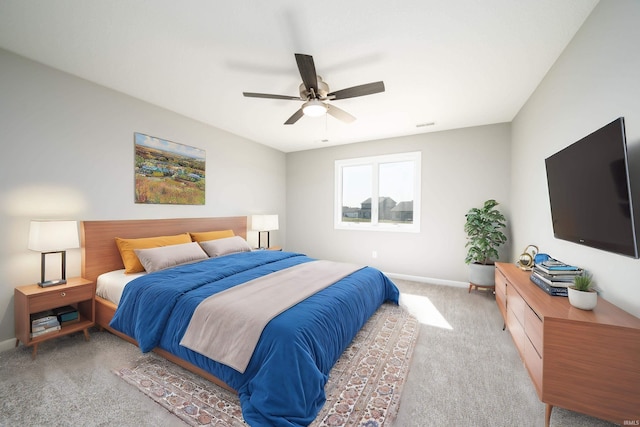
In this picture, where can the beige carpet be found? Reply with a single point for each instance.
(363, 389)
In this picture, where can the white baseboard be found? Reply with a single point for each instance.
(7, 344)
(430, 280)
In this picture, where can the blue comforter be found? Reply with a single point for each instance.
(283, 384)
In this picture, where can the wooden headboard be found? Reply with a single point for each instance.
(100, 253)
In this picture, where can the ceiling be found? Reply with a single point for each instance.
(446, 64)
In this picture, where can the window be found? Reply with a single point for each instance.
(378, 193)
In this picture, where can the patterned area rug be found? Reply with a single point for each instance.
(363, 389)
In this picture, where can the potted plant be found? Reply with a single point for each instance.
(484, 235)
(581, 295)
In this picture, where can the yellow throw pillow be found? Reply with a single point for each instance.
(126, 247)
(211, 235)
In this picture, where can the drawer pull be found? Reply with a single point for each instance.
(62, 294)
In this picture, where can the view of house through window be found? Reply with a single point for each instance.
(379, 192)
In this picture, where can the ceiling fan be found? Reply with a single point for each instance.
(315, 92)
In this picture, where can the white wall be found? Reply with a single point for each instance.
(460, 170)
(593, 82)
(67, 152)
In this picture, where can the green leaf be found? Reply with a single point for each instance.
(484, 232)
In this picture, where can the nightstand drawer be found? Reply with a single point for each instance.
(59, 298)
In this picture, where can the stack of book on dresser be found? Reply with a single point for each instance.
(553, 276)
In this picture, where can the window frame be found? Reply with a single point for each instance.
(375, 162)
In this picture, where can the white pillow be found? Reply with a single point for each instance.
(154, 259)
(227, 245)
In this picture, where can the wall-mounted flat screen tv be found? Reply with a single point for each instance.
(590, 192)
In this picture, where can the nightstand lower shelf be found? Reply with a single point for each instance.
(30, 299)
(83, 325)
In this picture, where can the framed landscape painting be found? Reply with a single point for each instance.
(167, 172)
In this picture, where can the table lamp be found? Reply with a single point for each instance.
(264, 223)
(52, 237)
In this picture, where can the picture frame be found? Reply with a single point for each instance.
(167, 172)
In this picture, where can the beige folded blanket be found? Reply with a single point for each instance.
(226, 326)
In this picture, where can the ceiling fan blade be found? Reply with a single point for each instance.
(340, 114)
(361, 90)
(266, 95)
(307, 71)
(296, 116)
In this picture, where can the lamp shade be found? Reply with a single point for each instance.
(47, 236)
(264, 222)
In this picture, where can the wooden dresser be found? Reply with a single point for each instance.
(584, 361)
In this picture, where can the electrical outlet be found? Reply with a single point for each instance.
(374, 254)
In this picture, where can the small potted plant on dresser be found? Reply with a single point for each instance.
(484, 235)
(581, 295)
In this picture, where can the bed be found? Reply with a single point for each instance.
(283, 382)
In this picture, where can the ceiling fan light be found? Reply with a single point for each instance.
(314, 108)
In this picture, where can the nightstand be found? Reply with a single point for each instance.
(29, 299)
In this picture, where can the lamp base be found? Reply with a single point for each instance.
(48, 283)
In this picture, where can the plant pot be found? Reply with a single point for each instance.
(583, 300)
(482, 274)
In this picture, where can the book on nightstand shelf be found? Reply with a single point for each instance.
(66, 314)
(49, 321)
(43, 325)
(44, 322)
(43, 318)
(68, 322)
(35, 333)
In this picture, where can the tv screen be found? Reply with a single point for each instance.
(590, 194)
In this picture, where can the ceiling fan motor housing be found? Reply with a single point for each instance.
(323, 90)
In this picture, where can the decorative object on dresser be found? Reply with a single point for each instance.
(45, 313)
(526, 260)
(484, 235)
(53, 237)
(581, 295)
(584, 361)
(264, 224)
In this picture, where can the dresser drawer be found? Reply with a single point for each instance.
(533, 361)
(517, 330)
(60, 297)
(533, 328)
(501, 292)
(501, 283)
(501, 300)
(516, 304)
